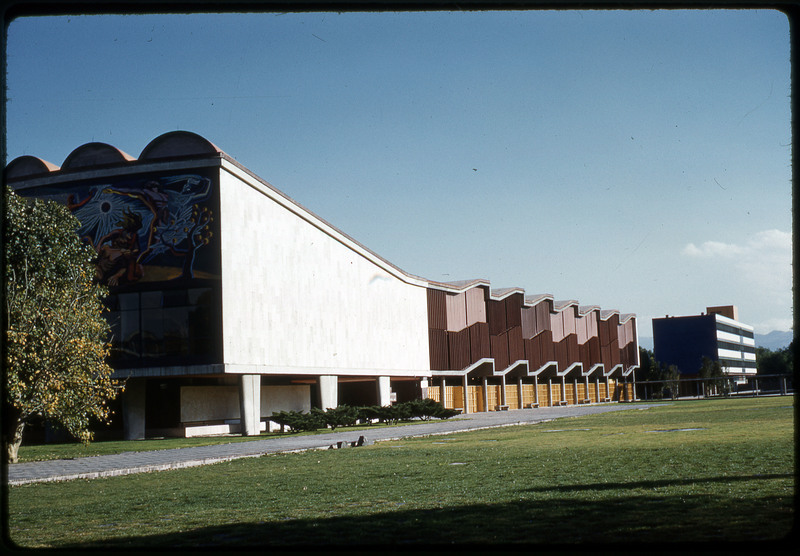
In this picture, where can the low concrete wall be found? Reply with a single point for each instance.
(204, 404)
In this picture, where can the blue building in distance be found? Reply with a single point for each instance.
(716, 334)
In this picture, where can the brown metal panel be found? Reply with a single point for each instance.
(513, 305)
(456, 311)
(437, 309)
(615, 354)
(458, 345)
(496, 317)
(581, 329)
(499, 346)
(543, 316)
(533, 352)
(605, 355)
(594, 350)
(557, 326)
(516, 347)
(437, 340)
(605, 336)
(622, 335)
(585, 354)
(569, 320)
(548, 346)
(476, 306)
(561, 354)
(613, 323)
(479, 341)
(528, 322)
(591, 324)
(572, 349)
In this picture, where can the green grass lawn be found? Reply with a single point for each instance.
(694, 471)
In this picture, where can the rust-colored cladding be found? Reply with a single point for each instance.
(581, 327)
(516, 347)
(458, 344)
(557, 326)
(437, 309)
(499, 345)
(586, 358)
(615, 355)
(479, 341)
(496, 317)
(437, 341)
(513, 305)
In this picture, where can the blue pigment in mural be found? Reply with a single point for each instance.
(144, 229)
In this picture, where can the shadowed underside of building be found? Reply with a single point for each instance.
(229, 301)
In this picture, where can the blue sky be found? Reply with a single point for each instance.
(636, 160)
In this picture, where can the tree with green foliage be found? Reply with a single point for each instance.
(775, 362)
(57, 339)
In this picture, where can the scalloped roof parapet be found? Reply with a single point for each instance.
(606, 314)
(178, 143)
(586, 309)
(27, 166)
(95, 154)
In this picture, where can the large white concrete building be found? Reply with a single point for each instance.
(230, 301)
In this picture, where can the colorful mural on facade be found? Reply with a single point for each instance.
(145, 229)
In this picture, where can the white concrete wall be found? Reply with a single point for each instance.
(219, 403)
(293, 296)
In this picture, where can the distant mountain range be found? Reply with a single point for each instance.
(777, 339)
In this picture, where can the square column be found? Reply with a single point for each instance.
(133, 403)
(328, 391)
(250, 404)
(384, 391)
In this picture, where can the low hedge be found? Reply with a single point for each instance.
(347, 416)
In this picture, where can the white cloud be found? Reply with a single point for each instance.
(767, 241)
(756, 275)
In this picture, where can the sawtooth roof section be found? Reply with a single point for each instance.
(95, 154)
(608, 313)
(459, 285)
(563, 304)
(28, 166)
(531, 300)
(625, 317)
(502, 293)
(586, 309)
(177, 144)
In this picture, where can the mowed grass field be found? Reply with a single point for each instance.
(690, 471)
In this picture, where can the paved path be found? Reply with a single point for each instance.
(157, 460)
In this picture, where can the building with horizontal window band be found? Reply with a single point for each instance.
(716, 334)
(229, 301)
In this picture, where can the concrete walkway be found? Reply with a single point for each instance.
(158, 460)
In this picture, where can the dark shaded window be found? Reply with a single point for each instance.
(165, 327)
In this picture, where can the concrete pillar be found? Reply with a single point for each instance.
(384, 391)
(550, 392)
(466, 394)
(575, 391)
(485, 385)
(563, 389)
(597, 389)
(133, 404)
(250, 404)
(519, 393)
(503, 390)
(536, 389)
(328, 391)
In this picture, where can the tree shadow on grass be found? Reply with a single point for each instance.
(658, 521)
(627, 485)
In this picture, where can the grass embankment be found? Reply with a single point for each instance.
(716, 470)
